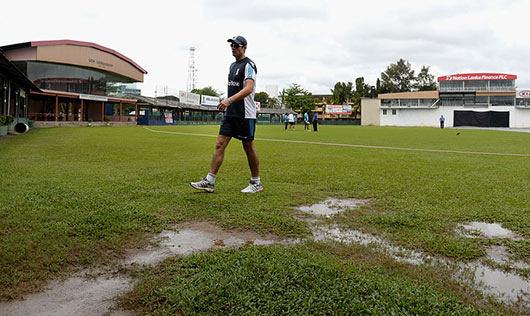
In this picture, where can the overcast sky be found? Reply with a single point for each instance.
(312, 43)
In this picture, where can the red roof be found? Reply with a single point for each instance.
(88, 44)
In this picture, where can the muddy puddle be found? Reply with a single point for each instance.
(505, 285)
(82, 295)
(332, 206)
(489, 230)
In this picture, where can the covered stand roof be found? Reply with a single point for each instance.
(77, 53)
(13, 73)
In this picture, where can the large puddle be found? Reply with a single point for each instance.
(81, 295)
(190, 238)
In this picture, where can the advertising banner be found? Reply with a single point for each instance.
(480, 76)
(93, 97)
(189, 98)
(258, 106)
(338, 109)
(209, 100)
(523, 94)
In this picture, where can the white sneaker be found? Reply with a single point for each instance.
(253, 187)
(204, 185)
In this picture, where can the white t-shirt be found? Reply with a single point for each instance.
(291, 118)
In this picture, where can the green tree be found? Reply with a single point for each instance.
(342, 93)
(262, 97)
(297, 98)
(397, 77)
(362, 90)
(274, 103)
(425, 81)
(207, 91)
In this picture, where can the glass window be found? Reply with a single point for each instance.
(475, 85)
(69, 78)
(409, 102)
(523, 102)
(451, 86)
(394, 112)
(502, 85)
(384, 111)
(502, 100)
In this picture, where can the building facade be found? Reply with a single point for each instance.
(475, 99)
(76, 81)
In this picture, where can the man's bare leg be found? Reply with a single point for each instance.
(207, 184)
(219, 154)
(252, 157)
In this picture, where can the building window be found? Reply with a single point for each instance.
(384, 112)
(502, 100)
(394, 112)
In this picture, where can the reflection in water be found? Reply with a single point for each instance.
(493, 230)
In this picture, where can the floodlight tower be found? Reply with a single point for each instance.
(192, 72)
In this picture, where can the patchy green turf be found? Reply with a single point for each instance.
(72, 197)
(284, 281)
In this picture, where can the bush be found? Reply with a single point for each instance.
(6, 119)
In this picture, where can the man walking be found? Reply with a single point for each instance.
(442, 121)
(315, 122)
(239, 120)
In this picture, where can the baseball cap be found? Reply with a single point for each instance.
(238, 39)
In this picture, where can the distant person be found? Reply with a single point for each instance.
(442, 121)
(291, 121)
(306, 122)
(286, 119)
(239, 120)
(315, 122)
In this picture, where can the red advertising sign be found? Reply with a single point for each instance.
(523, 94)
(478, 76)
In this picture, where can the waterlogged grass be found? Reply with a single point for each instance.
(284, 281)
(74, 197)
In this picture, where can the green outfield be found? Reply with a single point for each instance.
(71, 198)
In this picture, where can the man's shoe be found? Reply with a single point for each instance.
(204, 185)
(253, 187)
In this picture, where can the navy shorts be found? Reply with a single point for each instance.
(240, 128)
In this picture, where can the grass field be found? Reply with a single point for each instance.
(77, 197)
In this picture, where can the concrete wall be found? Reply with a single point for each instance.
(370, 113)
(519, 118)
